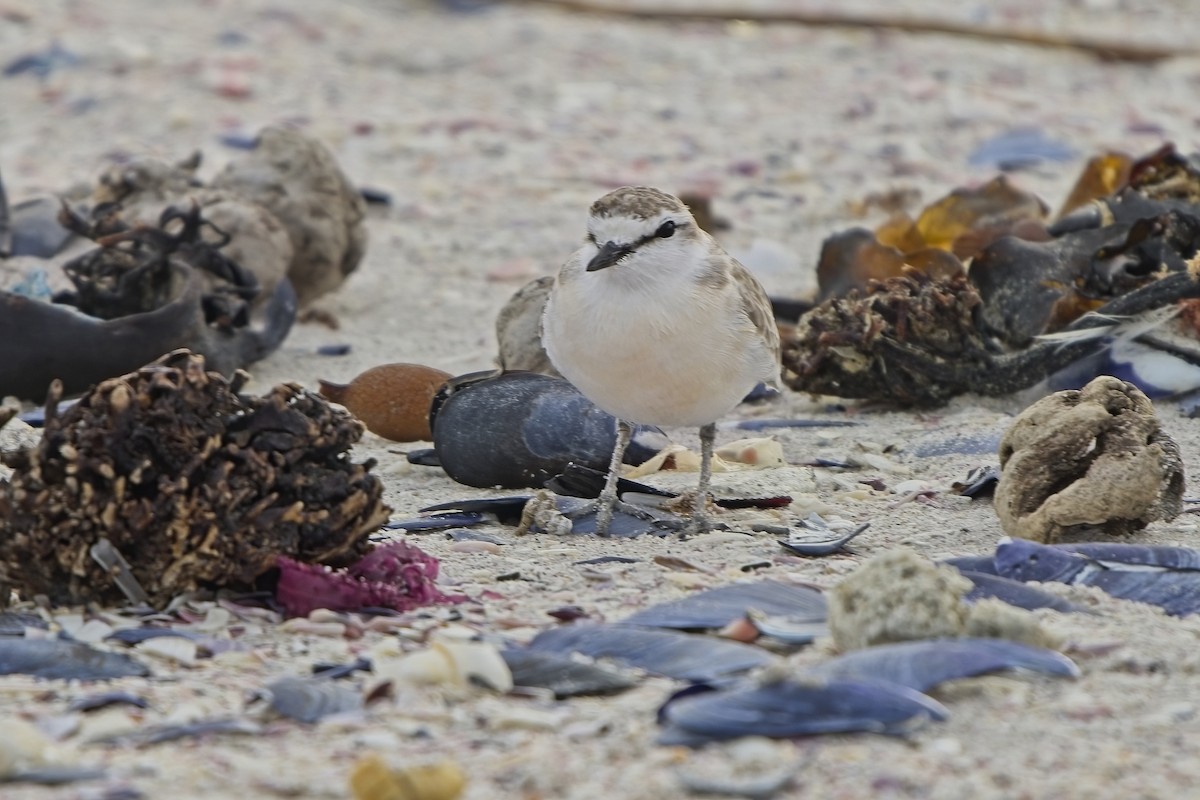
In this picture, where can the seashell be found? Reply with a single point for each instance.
(1114, 553)
(450, 663)
(157, 734)
(785, 709)
(372, 779)
(14, 623)
(1175, 591)
(170, 648)
(827, 545)
(924, 665)
(64, 660)
(786, 630)
(564, 675)
(309, 699)
(133, 636)
(753, 767)
(519, 429)
(95, 702)
(1013, 592)
(392, 400)
(717, 607)
(671, 654)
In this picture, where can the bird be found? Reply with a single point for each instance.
(656, 324)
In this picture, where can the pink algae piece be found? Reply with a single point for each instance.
(399, 576)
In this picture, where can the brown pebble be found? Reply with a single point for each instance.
(392, 400)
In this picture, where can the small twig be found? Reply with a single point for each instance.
(1108, 50)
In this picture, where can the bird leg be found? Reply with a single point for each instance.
(699, 522)
(608, 497)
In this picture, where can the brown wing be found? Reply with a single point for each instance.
(758, 308)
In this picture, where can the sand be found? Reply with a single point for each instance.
(493, 131)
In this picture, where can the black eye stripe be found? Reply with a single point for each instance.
(650, 237)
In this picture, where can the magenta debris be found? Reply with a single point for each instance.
(398, 576)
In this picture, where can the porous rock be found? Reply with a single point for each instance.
(193, 483)
(1095, 457)
(899, 596)
(895, 597)
(299, 181)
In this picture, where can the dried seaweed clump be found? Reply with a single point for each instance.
(194, 484)
(890, 341)
(1093, 458)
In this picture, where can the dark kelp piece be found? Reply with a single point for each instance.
(194, 484)
(142, 293)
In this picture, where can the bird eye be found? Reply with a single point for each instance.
(666, 230)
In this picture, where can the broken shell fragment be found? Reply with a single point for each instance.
(519, 329)
(309, 699)
(372, 779)
(392, 400)
(1096, 457)
(519, 429)
(450, 663)
(564, 675)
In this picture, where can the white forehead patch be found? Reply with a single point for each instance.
(627, 230)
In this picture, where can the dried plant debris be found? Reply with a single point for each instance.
(1095, 458)
(1131, 572)
(399, 576)
(194, 485)
(144, 291)
(902, 321)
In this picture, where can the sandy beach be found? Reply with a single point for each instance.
(492, 130)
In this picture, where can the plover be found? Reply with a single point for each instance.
(656, 324)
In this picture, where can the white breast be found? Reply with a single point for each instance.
(654, 346)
